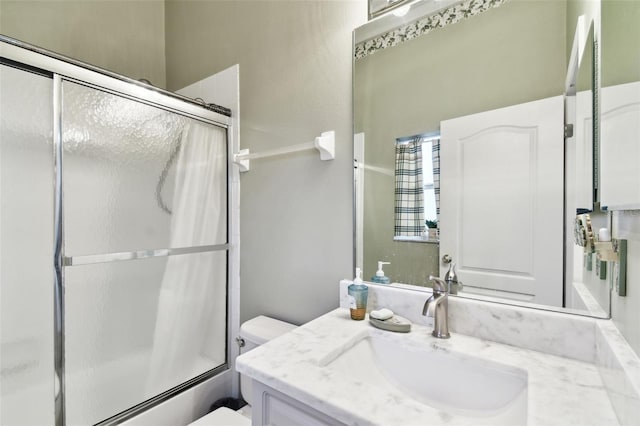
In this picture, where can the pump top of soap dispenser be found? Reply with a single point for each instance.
(380, 272)
(358, 279)
(379, 277)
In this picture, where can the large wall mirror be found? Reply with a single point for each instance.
(490, 86)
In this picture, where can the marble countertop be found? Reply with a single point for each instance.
(561, 391)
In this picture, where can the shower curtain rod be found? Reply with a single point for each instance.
(325, 144)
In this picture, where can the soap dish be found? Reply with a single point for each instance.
(395, 323)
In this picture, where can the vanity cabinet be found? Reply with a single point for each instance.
(274, 408)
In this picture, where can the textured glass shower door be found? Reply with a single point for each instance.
(26, 248)
(145, 250)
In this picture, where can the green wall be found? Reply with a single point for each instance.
(126, 37)
(620, 42)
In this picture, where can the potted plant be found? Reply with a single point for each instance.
(432, 229)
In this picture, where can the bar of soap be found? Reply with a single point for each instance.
(381, 314)
(396, 324)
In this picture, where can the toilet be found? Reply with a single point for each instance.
(253, 333)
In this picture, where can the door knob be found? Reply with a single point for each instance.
(446, 259)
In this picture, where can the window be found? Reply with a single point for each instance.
(417, 191)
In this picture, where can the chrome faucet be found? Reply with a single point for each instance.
(437, 306)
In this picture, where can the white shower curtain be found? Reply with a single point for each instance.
(190, 330)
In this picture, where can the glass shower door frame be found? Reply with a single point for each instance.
(66, 69)
(62, 261)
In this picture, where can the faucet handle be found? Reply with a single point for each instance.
(451, 274)
(438, 284)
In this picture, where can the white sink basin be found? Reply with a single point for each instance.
(456, 383)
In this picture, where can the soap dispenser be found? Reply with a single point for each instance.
(358, 293)
(379, 277)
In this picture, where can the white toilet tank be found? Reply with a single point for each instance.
(255, 332)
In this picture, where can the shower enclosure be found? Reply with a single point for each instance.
(113, 242)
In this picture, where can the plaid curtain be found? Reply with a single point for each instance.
(435, 157)
(409, 192)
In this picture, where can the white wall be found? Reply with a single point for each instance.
(625, 311)
(295, 82)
